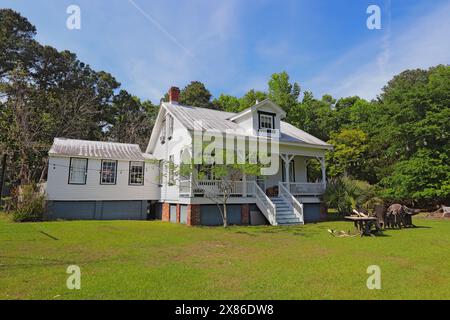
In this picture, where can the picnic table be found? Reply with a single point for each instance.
(365, 225)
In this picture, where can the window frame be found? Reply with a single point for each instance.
(85, 171)
(115, 173)
(169, 124)
(161, 172)
(162, 137)
(268, 114)
(171, 170)
(130, 172)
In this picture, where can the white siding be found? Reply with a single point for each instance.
(58, 187)
(250, 122)
(180, 140)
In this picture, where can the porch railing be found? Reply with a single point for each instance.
(302, 188)
(266, 205)
(297, 207)
(216, 187)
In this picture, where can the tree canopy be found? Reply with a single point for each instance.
(399, 141)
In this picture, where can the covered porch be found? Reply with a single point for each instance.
(292, 174)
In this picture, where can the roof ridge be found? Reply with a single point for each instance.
(194, 107)
(97, 141)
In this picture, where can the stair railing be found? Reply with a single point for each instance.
(293, 202)
(266, 205)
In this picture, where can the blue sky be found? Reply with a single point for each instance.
(235, 45)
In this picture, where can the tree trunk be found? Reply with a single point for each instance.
(24, 173)
(225, 215)
(44, 171)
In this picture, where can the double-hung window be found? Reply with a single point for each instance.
(169, 127)
(78, 171)
(136, 177)
(161, 172)
(171, 170)
(266, 121)
(162, 137)
(109, 172)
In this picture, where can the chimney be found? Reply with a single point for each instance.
(174, 94)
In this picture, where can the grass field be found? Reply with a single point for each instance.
(156, 260)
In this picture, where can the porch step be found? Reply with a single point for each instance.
(285, 214)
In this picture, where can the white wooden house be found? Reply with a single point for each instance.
(103, 180)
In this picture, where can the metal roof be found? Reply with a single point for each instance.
(219, 121)
(97, 149)
(211, 119)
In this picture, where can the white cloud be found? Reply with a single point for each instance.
(365, 69)
(187, 45)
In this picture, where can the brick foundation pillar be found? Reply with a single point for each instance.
(245, 214)
(178, 212)
(193, 214)
(165, 212)
(323, 211)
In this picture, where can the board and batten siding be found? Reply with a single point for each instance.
(59, 189)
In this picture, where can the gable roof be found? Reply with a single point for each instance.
(216, 120)
(97, 149)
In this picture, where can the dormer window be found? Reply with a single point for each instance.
(266, 121)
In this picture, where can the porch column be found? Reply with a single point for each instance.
(244, 184)
(287, 158)
(286, 170)
(324, 176)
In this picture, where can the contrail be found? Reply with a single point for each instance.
(161, 28)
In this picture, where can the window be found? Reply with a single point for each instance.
(136, 177)
(78, 171)
(162, 137)
(109, 172)
(169, 126)
(171, 170)
(161, 172)
(266, 121)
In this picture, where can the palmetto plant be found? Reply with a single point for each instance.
(339, 195)
(343, 194)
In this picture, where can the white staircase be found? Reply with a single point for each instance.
(282, 210)
(285, 214)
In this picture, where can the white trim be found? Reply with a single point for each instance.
(256, 107)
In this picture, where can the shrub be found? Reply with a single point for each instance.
(31, 205)
(339, 195)
(344, 194)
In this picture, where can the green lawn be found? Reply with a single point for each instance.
(156, 260)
